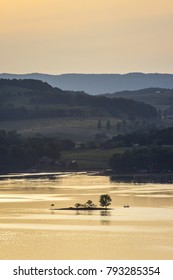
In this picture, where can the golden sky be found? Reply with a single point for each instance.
(86, 36)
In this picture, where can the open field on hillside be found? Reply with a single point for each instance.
(92, 159)
(77, 129)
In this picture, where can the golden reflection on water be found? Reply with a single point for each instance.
(29, 229)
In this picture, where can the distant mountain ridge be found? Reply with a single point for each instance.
(100, 83)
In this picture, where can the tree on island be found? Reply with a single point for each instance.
(79, 205)
(52, 205)
(90, 204)
(105, 200)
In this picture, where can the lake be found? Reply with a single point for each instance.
(29, 229)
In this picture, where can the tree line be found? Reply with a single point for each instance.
(147, 160)
(142, 137)
(20, 153)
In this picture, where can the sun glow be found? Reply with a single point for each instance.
(59, 36)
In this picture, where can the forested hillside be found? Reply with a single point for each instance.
(153, 96)
(31, 99)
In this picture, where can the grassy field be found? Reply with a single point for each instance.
(77, 129)
(92, 159)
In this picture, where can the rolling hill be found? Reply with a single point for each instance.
(153, 96)
(158, 97)
(33, 99)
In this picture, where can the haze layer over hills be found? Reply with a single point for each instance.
(100, 83)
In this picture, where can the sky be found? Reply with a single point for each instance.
(86, 36)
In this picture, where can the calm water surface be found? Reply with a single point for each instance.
(29, 229)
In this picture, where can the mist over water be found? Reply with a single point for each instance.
(30, 229)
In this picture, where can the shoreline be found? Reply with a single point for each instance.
(136, 178)
(156, 178)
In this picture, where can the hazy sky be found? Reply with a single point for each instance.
(86, 36)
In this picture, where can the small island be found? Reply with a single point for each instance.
(105, 201)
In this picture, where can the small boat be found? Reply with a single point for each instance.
(126, 206)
